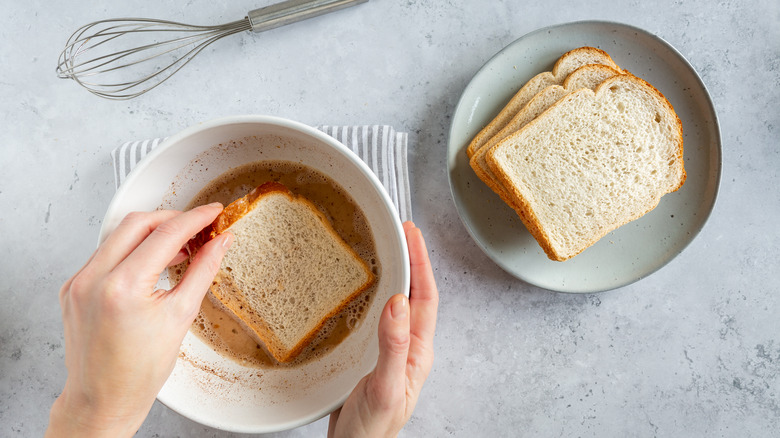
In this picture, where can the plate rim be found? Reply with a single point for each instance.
(716, 146)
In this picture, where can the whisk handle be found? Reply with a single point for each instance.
(291, 11)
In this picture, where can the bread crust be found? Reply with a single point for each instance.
(225, 291)
(478, 159)
(530, 88)
(241, 206)
(536, 229)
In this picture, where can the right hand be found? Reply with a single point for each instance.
(383, 401)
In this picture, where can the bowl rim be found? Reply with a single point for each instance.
(183, 135)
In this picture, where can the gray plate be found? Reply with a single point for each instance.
(633, 251)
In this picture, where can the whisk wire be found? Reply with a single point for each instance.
(102, 65)
(168, 70)
(112, 70)
(93, 63)
(113, 57)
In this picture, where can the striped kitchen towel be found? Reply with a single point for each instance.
(379, 146)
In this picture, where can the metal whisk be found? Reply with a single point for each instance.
(124, 58)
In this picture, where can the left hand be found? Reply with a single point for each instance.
(122, 336)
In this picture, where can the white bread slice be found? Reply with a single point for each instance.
(565, 65)
(589, 76)
(287, 272)
(591, 163)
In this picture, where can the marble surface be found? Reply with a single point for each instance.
(692, 350)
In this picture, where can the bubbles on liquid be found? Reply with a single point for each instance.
(352, 224)
(307, 178)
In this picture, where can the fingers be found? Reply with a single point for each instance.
(332, 421)
(423, 296)
(181, 256)
(133, 229)
(200, 273)
(424, 303)
(163, 244)
(66, 286)
(390, 372)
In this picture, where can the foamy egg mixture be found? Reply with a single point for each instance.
(217, 328)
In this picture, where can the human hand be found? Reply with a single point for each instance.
(383, 401)
(122, 336)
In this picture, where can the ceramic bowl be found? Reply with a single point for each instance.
(216, 391)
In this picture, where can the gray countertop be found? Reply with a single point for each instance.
(692, 350)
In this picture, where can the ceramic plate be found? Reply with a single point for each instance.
(633, 251)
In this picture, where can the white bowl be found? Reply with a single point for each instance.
(218, 392)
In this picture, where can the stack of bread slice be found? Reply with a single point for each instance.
(580, 151)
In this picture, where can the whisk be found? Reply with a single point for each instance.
(124, 58)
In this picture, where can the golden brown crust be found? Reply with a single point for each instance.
(240, 207)
(582, 49)
(564, 87)
(499, 121)
(523, 209)
(243, 314)
(478, 161)
(481, 174)
(678, 124)
(222, 293)
(231, 213)
(306, 340)
(521, 204)
(512, 107)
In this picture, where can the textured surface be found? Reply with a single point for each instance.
(588, 76)
(592, 162)
(692, 350)
(564, 66)
(307, 272)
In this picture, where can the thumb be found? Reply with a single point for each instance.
(200, 273)
(394, 341)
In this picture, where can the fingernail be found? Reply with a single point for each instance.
(227, 241)
(215, 205)
(399, 309)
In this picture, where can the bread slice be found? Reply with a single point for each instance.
(287, 272)
(591, 163)
(565, 65)
(589, 76)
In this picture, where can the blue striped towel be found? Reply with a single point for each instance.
(379, 146)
